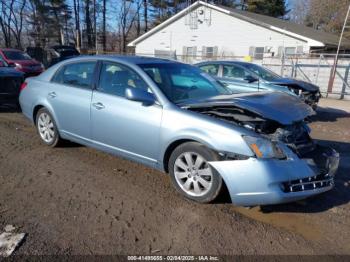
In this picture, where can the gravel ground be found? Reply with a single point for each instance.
(76, 200)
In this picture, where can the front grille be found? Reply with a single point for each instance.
(308, 183)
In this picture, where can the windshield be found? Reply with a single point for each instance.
(264, 73)
(16, 55)
(180, 82)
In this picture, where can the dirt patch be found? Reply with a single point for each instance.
(76, 200)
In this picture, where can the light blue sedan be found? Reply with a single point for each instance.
(173, 117)
(248, 77)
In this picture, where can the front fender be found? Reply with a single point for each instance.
(215, 134)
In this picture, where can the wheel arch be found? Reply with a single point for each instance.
(36, 109)
(35, 112)
(174, 144)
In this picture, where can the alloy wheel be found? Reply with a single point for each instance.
(46, 127)
(193, 174)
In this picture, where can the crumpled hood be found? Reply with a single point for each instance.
(295, 82)
(10, 72)
(277, 106)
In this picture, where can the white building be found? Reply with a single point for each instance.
(203, 30)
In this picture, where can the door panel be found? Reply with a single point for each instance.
(70, 97)
(120, 125)
(72, 109)
(126, 127)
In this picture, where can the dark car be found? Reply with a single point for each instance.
(10, 83)
(21, 61)
(249, 77)
(59, 53)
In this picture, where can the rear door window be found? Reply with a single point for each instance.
(232, 71)
(76, 74)
(210, 69)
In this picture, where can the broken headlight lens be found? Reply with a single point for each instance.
(264, 148)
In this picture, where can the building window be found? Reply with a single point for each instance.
(257, 52)
(191, 51)
(289, 51)
(209, 51)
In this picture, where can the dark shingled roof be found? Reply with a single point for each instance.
(267, 21)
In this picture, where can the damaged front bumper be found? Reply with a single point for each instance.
(256, 181)
(311, 98)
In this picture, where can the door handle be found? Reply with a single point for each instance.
(98, 105)
(52, 94)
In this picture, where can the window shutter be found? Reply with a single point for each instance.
(252, 51)
(215, 51)
(300, 50)
(194, 51)
(280, 51)
(204, 52)
(184, 53)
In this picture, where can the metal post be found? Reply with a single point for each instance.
(318, 69)
(345, 81)
(334, 69)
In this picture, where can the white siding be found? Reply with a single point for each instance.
(232, 36)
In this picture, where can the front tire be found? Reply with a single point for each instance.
(191, 174)
(46, 127)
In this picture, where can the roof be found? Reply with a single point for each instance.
(267, 21)
(124, 58)
(320, 38)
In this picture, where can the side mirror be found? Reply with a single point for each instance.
(251, 79)
(140, 95)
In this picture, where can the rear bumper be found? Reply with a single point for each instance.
(264, 182)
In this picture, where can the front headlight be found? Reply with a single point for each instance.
(264, 148)
(19, 66)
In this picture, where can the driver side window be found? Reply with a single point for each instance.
(232, 71)
(116, 78)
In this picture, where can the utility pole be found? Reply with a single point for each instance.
(334, 68)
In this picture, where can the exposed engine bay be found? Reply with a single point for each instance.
(295, 136)
(310, 97)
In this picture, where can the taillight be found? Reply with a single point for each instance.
(23, 85)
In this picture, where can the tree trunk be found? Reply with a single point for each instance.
(145, 15)
(104, 26)
(88, 23)
(77, 23)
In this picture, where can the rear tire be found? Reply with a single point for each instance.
(191, 174)
(47, 128)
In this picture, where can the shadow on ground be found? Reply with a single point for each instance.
(327, 114)
(10, 107)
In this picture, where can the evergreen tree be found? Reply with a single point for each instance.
(275, 8)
